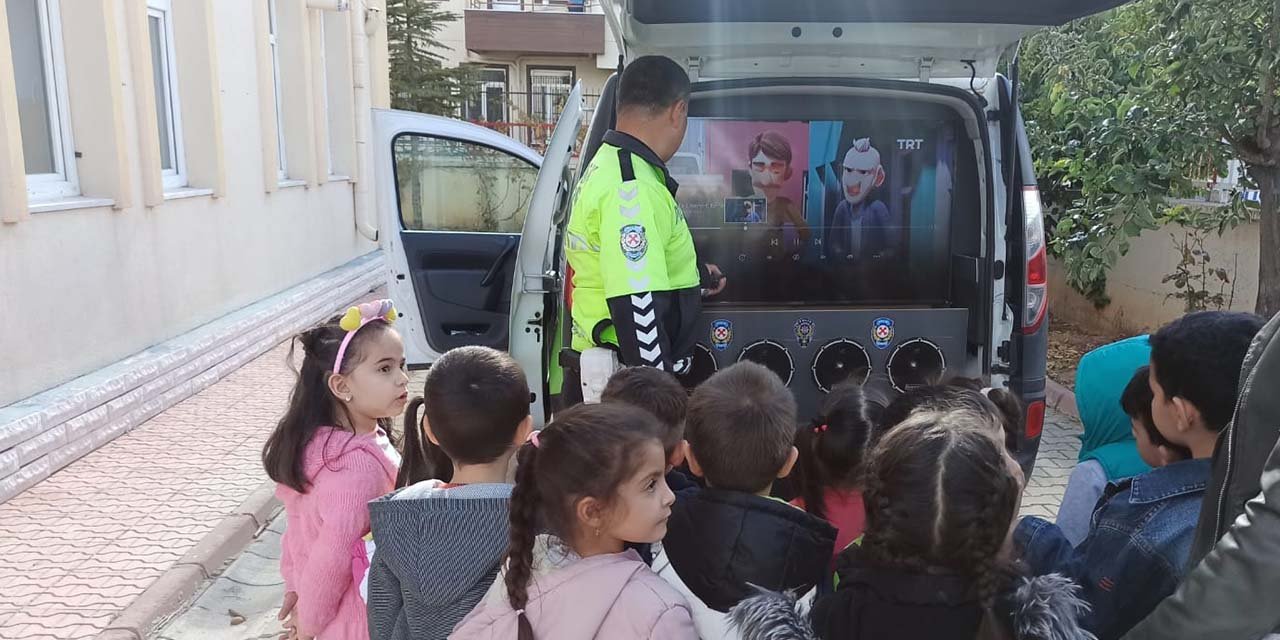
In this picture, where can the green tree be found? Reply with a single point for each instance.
(419, 79)
(1123, 108)
(1221, 59)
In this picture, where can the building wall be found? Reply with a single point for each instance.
(1139, 298)
(128, 262)
(591, 70)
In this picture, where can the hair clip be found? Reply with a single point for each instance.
(356, 318)
(533, 439)
(822, 428)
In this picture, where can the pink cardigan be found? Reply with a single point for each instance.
(323, 543)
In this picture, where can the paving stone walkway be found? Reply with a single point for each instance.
(79, 547)
(1059, 446)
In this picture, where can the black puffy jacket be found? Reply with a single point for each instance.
(722, 542)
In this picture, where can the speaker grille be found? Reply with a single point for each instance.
(772, 356)
(916, 363)
(838, 361)
(702, 366)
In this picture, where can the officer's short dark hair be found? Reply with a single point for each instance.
(652, 83)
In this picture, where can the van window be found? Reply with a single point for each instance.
(451, 185)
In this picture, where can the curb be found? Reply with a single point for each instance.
(1060, 398)
(179, 583)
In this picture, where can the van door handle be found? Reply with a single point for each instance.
(496, 267)
(465, 329)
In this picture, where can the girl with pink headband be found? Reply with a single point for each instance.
(330, 455)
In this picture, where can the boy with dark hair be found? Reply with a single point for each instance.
(450, 527)
(740, 434)
(1142, 529)
(659, 393)
(1153, 448)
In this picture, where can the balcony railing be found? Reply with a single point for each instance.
(527, 116)
(548, 6)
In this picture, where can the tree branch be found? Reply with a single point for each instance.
(1268, 83)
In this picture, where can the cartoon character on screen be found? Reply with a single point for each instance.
(860, 226)
(769, 155)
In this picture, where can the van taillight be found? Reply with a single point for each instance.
(1035, 419)
(1037, 275)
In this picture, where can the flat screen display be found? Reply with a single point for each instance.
(834, 212)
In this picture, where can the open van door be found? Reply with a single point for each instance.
(895, 39)
(537, 283)
(452, 201)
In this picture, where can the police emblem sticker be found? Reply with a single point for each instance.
(721, 334)
(634, 243)
(804, 331)
(882, 332)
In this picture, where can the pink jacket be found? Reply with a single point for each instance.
(611, 597)
(323, 541)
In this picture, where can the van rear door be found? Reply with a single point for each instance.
(902, 39)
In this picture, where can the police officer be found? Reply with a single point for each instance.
(637, 281)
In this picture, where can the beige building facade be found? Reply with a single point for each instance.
(530, 54)
(166, 162)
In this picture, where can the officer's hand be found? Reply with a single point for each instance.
(720, 279)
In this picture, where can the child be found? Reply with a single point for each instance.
(329, 457)
(439, 543)
(960, 393)
(831, 456)
(1154, 449)
(1141, 532)
(740, 432)
(941, 495)
(1107, 449)
(593, 481)
(659, 393)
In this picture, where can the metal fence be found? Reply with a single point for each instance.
(550, 6)
(527, 116)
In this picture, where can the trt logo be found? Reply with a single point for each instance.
(910, 144)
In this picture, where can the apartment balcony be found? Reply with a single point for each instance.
(549, 27)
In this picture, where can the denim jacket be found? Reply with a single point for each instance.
(1137, 549)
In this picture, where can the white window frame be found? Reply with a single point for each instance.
(273, 28)
(175, 178)
(63, 182)
(547, 101)
(324, 91)
(486, 86)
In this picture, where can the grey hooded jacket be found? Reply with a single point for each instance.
(1231, 593)
(438, 551)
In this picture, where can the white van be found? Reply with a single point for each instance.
(890, 110)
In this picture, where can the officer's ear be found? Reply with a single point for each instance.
(678, 113)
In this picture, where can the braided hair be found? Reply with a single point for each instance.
(833, 448)
(941, 495)
(587, 451)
